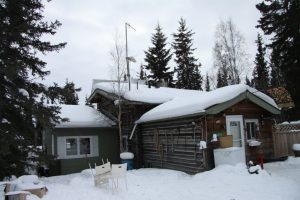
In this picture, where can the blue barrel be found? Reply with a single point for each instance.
(127, 157)
(129, 163)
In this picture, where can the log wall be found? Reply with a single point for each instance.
(175, 145)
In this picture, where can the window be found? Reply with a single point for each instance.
(85, 146)
(252, 128)
(77, 147)
(71, 146)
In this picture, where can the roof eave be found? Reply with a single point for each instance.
(172, 118)
(114, 97)
(245, 95)
(215, 109)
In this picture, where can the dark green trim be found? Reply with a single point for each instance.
(215, 109)
(245, 95)
(262, 103)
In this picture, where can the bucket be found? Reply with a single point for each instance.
(127, 157)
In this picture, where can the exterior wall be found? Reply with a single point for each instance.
(130, 113)
(172, 144)
(249, 110)
(107, 145)
(175, 145)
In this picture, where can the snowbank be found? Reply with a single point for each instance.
(279, 181)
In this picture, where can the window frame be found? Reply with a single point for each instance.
(62, 147)
(252, 120)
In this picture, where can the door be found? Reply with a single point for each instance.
(235, 127)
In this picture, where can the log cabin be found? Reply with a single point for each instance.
(191, 130)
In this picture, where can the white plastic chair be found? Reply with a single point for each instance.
(119, 171)
(102, 174)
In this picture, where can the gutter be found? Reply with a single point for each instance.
(132, 132)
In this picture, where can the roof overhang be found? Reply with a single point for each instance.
(114, 97)
(215, 109)
(245, 95)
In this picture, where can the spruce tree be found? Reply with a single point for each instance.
(260, 72)
(222, 78)
(281, 21)
(248, 82)
(21, 113)
(157, 58)
(207, 84)
(276, 74)
(69, 94)
(187, 68)
(142, 73)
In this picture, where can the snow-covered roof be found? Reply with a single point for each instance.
(143, 93)
(83, 116)
(198, 103)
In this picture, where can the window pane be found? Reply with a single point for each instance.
(85, 146)
(71, 146)
(235, 130)
(251, 130)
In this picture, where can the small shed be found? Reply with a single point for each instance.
(185, 132)
(87, 137)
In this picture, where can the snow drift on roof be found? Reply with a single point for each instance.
(83, 116)
(188, 105)
(143, 93)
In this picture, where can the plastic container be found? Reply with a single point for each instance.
(127, 157)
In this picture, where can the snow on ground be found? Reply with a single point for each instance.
(279, 180)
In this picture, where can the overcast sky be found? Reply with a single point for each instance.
(89, 28)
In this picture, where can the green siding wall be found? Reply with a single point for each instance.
(108, 147)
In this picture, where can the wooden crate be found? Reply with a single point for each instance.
(16, 195)
(226, 141)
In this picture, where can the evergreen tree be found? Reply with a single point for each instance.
(260, 72)
(187, 69)
(222, 78)
(69, 94)
(63, 95)
(276, 74)
(54, 94)
(207, 85)
(157, 57)
(248, 82)
(142, 73)
(22, 27)
(281, 21)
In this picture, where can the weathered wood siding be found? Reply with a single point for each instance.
(130, 113)
(285, 136)
(249, 110)
(175, 145)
